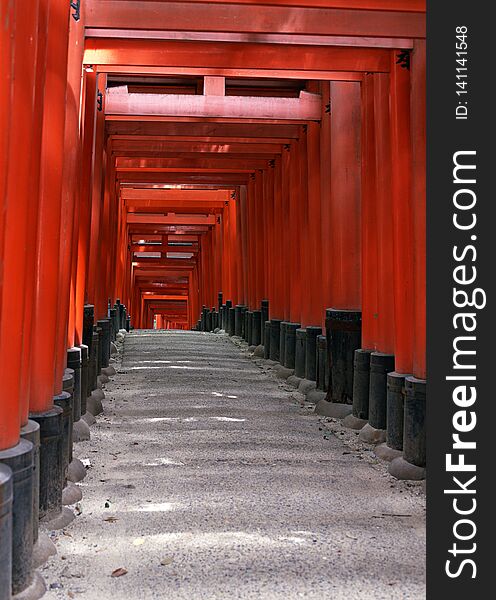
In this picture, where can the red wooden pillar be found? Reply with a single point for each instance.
(345, 258)
(312, 279)
(294, 232)
(43, 383)
(19, 117)
(418, 124)
(69, 191)
(402, 216)
(88, 131)
(97, 179)
(304, 248)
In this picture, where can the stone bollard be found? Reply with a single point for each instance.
(6, 499)
(275, 339)
(264, 308)
(290, 345)
(20, 460)
(374, 432)
(412, 464)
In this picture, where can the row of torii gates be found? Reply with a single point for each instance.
(182, 165)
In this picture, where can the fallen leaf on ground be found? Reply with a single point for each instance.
(138, 541)
(167, 561)
(119, 572)
(111, 519)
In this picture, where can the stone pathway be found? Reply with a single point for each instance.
(210, 480)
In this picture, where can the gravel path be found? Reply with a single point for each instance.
(211, 479)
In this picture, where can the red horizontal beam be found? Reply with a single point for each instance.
(251, 18)
(107, 51)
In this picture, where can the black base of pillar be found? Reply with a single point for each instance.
(6, 498)
(231, 321)
(266, 346)
(290, 345)
(275, 339)
(31, 432)
(64, 401)
(282, 342)
(361, 384)
(264, 310)
(249, 326)
(256, 328)
(300, 353)
(20, 460)
(380, 365)
(322, 371)
(311, 352)
(395, 409)
(51, 466)
(84, 377)
(343, 332)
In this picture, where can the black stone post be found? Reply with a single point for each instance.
(311, 352)
(300, 352)
(20, 460)
(237, 320)
(6, 499)
(343, 332)
(275, 339)
(290, 345)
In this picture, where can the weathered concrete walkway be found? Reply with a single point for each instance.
(209, 481)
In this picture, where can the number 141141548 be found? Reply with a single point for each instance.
(461, 46)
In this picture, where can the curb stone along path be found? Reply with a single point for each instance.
(210, 480)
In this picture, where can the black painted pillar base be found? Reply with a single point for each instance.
(290, 345)
(311, 352)
(243, 317)
(20, 460)
(282, 342)
(238, 316)
(104, 325)
(343, 332)
(275, 339)
(413, 462)
(6, 499)
(375, 431)
(300, 352)
(51, 468)
(256, 328)
(393, 447)
(264, 309)
(322, 371)
(249, 327)
(31, 432)
(266, 335)
(231, 321)
(361, 384)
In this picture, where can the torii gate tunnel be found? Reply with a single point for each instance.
(252, 167)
